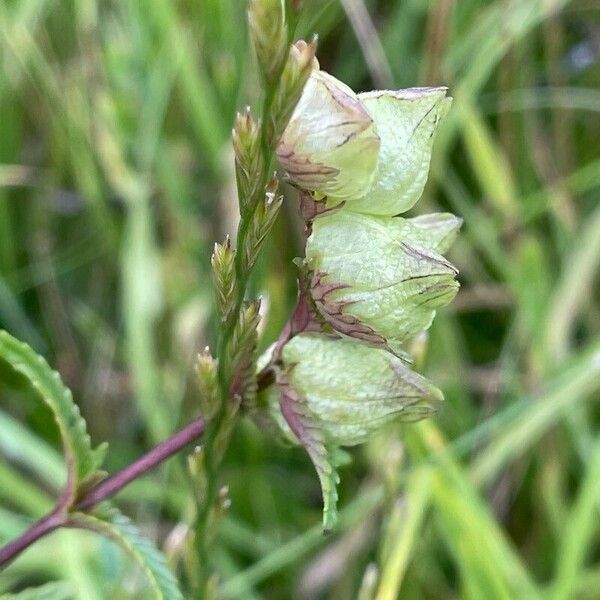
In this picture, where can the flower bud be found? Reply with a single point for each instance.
(380, 279)
(246, 136)
(268, 31)
(206, 373)
(330, 145)
(249, 159)
(241, 354)
(223, 266)
(300, 63)
(262, 221)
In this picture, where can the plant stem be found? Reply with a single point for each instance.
(37, 530)
(148, 461)
(59, 516)
(219, 426)
(241, 271)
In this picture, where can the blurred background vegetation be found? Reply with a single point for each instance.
(116, 179)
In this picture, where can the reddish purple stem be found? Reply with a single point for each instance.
(157, 455)
(39, 529)
(59, 516)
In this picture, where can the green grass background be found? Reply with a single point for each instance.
(116, 179)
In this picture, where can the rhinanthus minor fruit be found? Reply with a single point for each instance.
(333, 392)
(371, 280)
(328, 130)
(380, 279)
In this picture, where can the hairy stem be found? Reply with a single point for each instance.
(59, 516)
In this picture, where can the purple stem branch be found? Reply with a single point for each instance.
(59, 516)
(157, 455)
(37, 530)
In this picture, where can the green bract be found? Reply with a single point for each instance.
(406, 121)
(330, 145)
(371, 150)
(380, 279)
(373, 277)
(353, 390)
(335, 392)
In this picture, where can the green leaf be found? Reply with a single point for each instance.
(82, 461)
(108, 521)
(55, 590)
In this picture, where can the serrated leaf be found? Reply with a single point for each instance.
(56, 590)
(82, 461)
(108, 521)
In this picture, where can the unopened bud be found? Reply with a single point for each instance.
(262, 221)
(246, 136)
(248, 156)
(223, 265)
(304, 54)
(268, 32)
(208, 387)
(242, 354)
(299, 65)
(196, 462)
